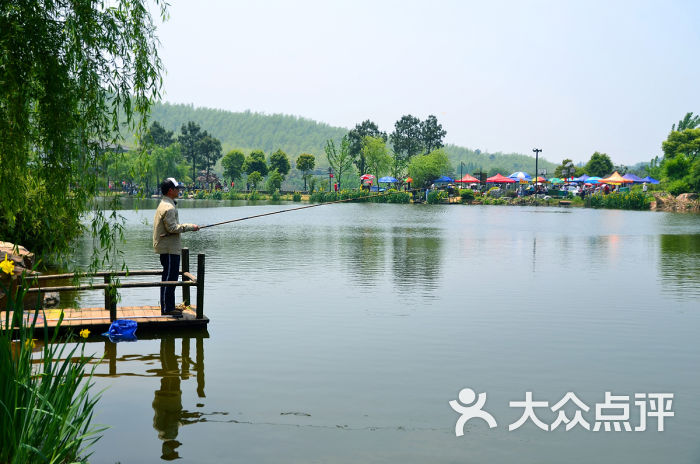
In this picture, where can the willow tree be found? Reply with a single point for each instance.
(72, 75)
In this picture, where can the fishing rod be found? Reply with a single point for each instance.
(304, 207)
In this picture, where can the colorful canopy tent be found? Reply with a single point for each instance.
(633, 178)
(499, 179)
(520, 175)
(651, 180)
(541, 179)
(469, 179)
(555, 180)
(583, 178)
(388, 179)
(615, 178)
(444, 179)
(593, 180)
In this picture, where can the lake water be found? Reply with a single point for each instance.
(341, 333)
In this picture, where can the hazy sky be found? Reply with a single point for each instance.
(569, 77)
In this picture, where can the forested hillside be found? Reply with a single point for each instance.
(295, 135)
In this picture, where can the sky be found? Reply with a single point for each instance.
(568, 77)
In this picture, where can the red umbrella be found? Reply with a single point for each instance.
(468, 179)
(499, 179)
(366, 177)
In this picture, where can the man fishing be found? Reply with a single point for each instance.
(166, 242)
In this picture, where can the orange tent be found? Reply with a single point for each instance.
(615, 178)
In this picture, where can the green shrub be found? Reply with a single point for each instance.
(627, 200)
(467, 195)
(200, 194)
(253, 195)
(677, 187)
(216, 195)
(296, 197)
(436, 196)
(275, 195)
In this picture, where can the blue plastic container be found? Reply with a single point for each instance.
(122, 329)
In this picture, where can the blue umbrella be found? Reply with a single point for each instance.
(583, 178)
(651, 180)
(388, 179)
(520, 175)
(444, 179)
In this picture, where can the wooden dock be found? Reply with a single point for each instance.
(98, 320)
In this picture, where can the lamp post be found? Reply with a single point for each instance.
(537, 152)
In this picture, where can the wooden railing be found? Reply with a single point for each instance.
(111, 287)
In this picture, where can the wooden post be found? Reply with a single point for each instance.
(110, 299)
(200, 285)
(185, 268)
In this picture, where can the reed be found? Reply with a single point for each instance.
(46, 400)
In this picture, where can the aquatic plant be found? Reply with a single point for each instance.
(46, 405)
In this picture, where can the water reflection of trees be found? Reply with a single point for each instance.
(168, 412)
(680, 264)
(417, 257)
(363, 249)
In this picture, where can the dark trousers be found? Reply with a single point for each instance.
(171, 273)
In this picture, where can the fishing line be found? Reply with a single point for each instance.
(303, 207)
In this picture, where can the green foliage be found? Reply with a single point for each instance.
(376, 155)
(467, 195)
(280, 162)
(432, 134)
(305, 163)
(296, 197)
(677, 187)
(475, 160)
(424, 169)
(158, 136)
(253, 195)
(275, 195)
(676, 168)
(255, 162)
(407, 138)
(390, 196)
(339, 159)
(45, 411)
(247, 131)
(233, 164)
(355, 137)
(437, 196)
(254, 178)
(688, 122)
(566, 169)
(190, 136)
(209, 150)
(599, 165)
(68, 71)
(274, 181)
(622, 200)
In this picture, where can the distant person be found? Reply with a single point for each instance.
(644, 187)
(166, 242)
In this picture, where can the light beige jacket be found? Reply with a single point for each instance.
(167, 229)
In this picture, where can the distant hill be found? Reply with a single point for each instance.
(295, 135)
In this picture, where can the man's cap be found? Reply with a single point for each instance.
(169, 183)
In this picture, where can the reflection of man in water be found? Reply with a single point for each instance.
(167, 402)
